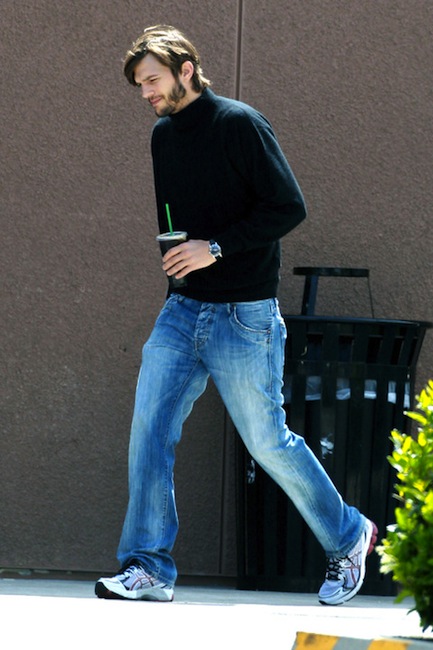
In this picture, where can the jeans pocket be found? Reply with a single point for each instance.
(253, 320)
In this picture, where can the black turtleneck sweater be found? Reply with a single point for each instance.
(218, 165)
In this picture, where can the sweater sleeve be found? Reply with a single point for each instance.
(277, 205)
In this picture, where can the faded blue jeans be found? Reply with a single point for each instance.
(241, 346)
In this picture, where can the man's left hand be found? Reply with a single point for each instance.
(184, 258)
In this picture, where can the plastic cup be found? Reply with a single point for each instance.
(166, 241)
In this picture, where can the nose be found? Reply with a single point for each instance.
(145, 92)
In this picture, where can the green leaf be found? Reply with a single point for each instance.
(406, 550)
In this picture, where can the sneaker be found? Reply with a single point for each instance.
(345, 575)
(135, 584)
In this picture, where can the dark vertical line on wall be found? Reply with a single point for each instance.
(239, 44)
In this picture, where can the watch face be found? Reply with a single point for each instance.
(215, 249)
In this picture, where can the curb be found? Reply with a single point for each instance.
(311, 641)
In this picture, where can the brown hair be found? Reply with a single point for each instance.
(171, 48)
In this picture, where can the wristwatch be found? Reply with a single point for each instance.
(215, 249)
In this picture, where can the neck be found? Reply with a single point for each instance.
(190, 97)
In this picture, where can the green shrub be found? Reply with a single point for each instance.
(407, 550)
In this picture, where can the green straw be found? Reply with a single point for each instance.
(167, 209)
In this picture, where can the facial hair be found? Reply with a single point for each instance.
(176, 95)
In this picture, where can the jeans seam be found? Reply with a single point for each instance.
(166, 439)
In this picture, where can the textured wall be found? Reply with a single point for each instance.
(82, 284)
(346, 84)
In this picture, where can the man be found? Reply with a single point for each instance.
(219, 168)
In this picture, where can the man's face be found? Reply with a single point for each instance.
(163, 91)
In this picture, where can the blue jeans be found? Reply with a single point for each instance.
(241, 346)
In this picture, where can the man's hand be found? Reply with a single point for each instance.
(184, 258)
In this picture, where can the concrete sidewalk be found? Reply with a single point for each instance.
(65, 614)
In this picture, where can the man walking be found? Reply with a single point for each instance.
(219, 168)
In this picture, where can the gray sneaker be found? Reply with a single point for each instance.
(134, 584)
(345, 575)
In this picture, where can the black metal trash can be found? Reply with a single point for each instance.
(348, 382)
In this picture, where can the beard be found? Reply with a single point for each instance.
(175, 97)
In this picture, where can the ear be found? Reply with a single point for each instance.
(187, 70)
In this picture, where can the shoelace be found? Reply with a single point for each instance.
(131, 570)
(335, 568)
(134, 571)
(140, 574)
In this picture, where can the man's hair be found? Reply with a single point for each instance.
(171, 48)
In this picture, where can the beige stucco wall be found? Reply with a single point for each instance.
(347, 86)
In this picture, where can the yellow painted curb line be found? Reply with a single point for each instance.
(304, 640)
(310, 641)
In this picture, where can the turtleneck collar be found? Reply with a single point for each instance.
(191, 115)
